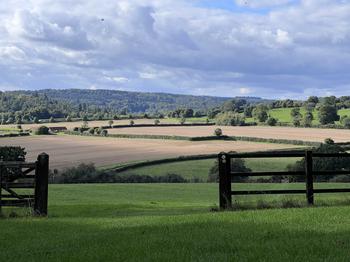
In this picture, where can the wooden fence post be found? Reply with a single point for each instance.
(309, 177)
(225, 196)
(1, 167)
(41, 185)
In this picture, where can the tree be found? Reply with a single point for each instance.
(260, 112)
(85, 118)
(323, 164)
(307, 119)
(42, 130)
(110, 123)
(36, 120)
(230, 119)
(218, 132)
(346, 122)
(237, 165)
(156, 122)
(132, 122)
(295, 112)
(271, 121)
(104, 132)
(327, 114)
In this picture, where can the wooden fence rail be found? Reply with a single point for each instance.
(16, 176)
(226, 175)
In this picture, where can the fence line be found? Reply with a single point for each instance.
(226, 174)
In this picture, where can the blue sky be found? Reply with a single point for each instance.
(268, 48)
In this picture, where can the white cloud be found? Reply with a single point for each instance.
(176, 46)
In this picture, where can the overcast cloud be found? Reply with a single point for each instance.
(268, 48)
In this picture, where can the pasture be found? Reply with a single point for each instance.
(291, 133)
(67, 151)
(173, 222)
(199, 169)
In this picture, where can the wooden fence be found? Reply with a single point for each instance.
(226, 175)
(17, 176)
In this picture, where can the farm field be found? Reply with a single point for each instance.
(173, 222)
(283, 115)
(291, 133)
(71, 125)
(65, 150)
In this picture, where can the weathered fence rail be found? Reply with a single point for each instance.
(226, 175)
(16, 176)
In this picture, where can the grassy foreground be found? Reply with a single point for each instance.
(172, 222)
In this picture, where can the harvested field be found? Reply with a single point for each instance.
(68, 151)
(71, 125)
(305, 134)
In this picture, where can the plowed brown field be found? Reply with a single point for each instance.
(305, 134)
(68, 151)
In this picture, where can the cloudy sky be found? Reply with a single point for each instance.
(268, 48)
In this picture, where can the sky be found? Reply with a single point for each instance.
(265, 48)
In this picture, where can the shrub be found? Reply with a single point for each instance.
(91, 131)
(132, 122)
(272, 121)
(12, 153)
(42, 130)
(110, 123)
(76, 129)
(156, 122)
(182, 121)
(69, 119)
(218, 132)
(104, 132)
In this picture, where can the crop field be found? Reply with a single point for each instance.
(68, 151)
(305, 134)
(173, 222)
(71, 125)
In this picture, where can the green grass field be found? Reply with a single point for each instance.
(283, 115)
(173, 222)
(200, 168)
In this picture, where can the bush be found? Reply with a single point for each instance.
(230, 119)
(87, 173)
(132, 122)
(218, 132)
(42, 130)
(91, 131)
(272, 121)
(12, 153)
(156, 122)
(104, 132)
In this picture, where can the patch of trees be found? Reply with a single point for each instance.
(87, 173)
(323, 164)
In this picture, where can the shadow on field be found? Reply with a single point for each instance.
(320, 234)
